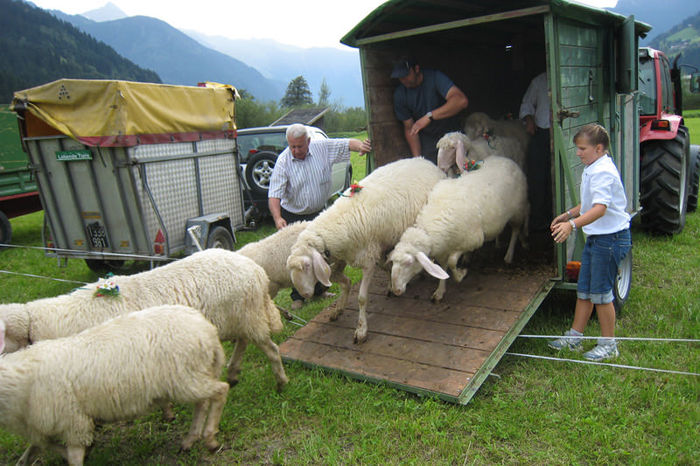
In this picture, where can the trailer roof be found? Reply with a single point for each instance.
(403, 18)
(124, 113)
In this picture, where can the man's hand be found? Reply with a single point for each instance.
(280, 223)
(530, 125)
(419, 125)
(362, 147)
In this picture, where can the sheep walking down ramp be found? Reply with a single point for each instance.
(53, 392)
(229, 289)
(360, 228)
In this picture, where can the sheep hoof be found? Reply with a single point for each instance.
(232, 381)
(359, 338)
(435, 299)
(281, 383)
(212, 445)
(335, 312)
(187, 443)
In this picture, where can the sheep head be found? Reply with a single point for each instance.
(452, 150)
(307, 266)
(407, 263)
(15, 327)
(477, 124)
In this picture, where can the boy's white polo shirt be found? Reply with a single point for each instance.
(601, 184)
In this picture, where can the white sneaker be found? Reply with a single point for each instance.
(569, 340)
(605, 349)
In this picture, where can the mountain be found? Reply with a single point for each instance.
(176, 57)
(340, 68)
(108, 12)
(37, 48)
(662, 15)
(683, 38)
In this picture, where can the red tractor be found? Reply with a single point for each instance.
(670, 166)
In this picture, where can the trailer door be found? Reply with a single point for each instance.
(577, 77)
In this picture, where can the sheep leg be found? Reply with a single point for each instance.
(439, 292)
(362, 297)
(511, 246)
(234, 364)
(452, 262)
(75, 455)
(198, 418)
(273, 354)
(216, 409)
(343, 281)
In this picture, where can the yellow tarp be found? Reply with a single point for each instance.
(100, 112)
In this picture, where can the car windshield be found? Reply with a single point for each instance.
(249, 144)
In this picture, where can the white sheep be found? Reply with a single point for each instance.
(229, 289)
(359, 229)
(455, 148)
(53, 392)
(459, 216)
(271, 254)
(480, 125)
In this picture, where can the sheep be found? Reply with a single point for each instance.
(360, 227)
(271, 254)
(480, 125)
(229, 289)
(53, 392)
(460, 214)
(455, 148)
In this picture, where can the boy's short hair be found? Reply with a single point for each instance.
(595, 134)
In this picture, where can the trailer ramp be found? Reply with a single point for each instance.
(445, 350)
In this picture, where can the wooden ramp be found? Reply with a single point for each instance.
(445, 349)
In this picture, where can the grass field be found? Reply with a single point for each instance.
(530, 411)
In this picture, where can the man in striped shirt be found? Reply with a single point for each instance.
(301, 180)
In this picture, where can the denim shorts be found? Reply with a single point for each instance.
(600, 261)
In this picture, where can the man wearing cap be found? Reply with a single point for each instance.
(427, 103)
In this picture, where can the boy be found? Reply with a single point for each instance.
(602, 217)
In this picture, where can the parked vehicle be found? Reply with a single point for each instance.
(258, 151)
(18, 191)
(132, 171)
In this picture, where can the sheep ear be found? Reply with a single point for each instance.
(460, 155)
(321, 269)
(431, 267)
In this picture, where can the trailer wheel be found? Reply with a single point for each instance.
(623, 283)
(694, 178)
(258, 171)
(664, 179)
(5, 230)
(220, 238)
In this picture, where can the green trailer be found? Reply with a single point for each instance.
(491, 50)
(18, 190)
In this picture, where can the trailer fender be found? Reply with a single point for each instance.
(207, 231)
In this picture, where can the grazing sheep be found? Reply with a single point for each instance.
(480, 125)
(229, 289)
(53, 392)
(455, 148)
(460, 214)
(271, 254)
(359, 229)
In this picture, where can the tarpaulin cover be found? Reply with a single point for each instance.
(124, 113)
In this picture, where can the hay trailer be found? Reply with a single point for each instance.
(491, 50)
(132, 171)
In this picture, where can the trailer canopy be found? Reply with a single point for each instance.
(110, 113)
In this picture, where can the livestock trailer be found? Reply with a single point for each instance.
(124, 169)
(491, 50)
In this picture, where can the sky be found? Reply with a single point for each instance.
(304, 23)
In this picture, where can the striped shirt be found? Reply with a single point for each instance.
(304, 185)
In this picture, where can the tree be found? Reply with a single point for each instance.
(324, 94)
(297, 94)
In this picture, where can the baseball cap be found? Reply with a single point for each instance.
(402, 67)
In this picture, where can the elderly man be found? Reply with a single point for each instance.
(301, 179)
(427, 103)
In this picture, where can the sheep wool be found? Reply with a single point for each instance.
(360, 227)
(54, 391)
(459, 216)
(229, 289)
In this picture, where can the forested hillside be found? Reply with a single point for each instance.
(36, 47)
(683, 38)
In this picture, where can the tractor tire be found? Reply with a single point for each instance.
(694, 178)
(664, 183)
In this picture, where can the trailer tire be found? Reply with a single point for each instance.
(664, 179)
(5, 230)
(258, 171)
(220, 237)
(623, 283)
(694, 179)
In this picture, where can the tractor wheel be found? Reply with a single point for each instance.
(664, 179)
(694, 178)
